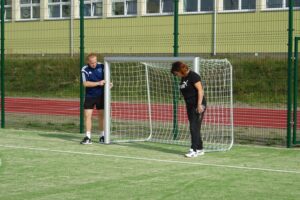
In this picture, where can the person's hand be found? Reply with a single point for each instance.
(111, 85)
(200, 108)
(102, 83)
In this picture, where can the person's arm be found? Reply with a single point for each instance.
(200, 90)
(87, 83)
(93, 84)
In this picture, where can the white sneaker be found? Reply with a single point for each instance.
(200, 152)
(191, 154)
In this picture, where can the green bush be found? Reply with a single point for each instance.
(255, 80)
(260, 80)
(42, 77)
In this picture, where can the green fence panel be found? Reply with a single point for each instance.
(42, 49)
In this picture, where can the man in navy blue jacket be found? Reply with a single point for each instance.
(93, 81)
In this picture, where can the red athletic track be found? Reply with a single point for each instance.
(246, 117)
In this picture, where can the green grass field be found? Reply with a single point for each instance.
(42, 165)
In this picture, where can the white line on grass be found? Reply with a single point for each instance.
(152, 159)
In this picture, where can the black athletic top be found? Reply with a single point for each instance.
(187, 86)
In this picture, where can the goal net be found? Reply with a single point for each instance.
(145, 103)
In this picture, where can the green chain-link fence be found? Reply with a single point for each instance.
(42, 48)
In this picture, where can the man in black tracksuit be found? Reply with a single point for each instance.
(192, 90)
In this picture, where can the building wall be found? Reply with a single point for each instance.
(257, 31)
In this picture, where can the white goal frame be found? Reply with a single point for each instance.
(107, 96)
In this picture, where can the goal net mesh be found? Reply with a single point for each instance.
(146, 104)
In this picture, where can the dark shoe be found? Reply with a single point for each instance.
(101, 139)
(86, 140)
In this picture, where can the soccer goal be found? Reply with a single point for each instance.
(145, 103)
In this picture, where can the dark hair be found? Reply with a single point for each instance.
(179, 67)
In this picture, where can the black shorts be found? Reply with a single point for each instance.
(91, 102)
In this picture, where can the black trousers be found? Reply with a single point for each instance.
(195, 120)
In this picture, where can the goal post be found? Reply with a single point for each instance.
(141, 105)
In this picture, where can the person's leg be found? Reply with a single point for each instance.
(193, 117)
(101, 120)
(200, 119)
(88, 125)
(88, 113)
(100, 108)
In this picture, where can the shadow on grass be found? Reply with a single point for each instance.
(68, 137)
(166, 148)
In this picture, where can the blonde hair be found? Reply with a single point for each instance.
(91, 55)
